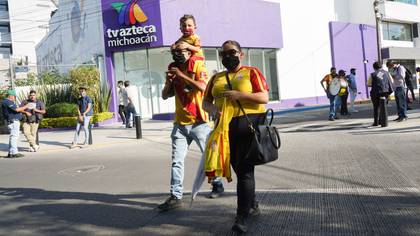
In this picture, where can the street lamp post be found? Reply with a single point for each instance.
(378, 18)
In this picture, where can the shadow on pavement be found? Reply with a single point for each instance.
(283, 213)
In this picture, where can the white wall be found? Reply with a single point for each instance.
(361, 12)
(401, 11)
(306, 55)
(26, 18)
(73, 41)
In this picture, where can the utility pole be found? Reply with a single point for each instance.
(378, 19)
(12, 70)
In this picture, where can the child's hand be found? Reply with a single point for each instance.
(183, 45)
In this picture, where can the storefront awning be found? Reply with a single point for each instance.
(401, 53)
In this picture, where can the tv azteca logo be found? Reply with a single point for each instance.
(130, 14)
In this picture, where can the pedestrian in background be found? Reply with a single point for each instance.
(36, 109)
(334, 99)
(408, 77)
(121, 101)
(85, 113)
(351, 78)
(129, 95)
(12, 114)
(418, 78)
(343, 104)
(250, 88)
(398, 74)
(381, 83)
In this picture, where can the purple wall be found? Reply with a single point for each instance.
(217, 20)
(249, 22)
(351, 45)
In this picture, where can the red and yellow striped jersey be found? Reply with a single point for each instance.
(189, 105)
(247, 79)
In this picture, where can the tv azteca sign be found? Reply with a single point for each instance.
(134, 23)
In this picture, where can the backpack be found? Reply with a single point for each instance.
(408, 76)
(381, 83)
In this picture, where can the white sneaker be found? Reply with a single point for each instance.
(31, 149)
(36, 148)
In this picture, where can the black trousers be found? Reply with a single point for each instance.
(344, 110)
(375, 103)
(240, 138)
(121, 112)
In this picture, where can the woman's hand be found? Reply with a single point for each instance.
(233, 95)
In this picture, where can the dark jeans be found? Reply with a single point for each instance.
(240, 138)
(344, 110)
(121, 112)
(401, 101)
(130, 109)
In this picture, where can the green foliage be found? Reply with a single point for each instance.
(60, 122)
(66, 122)
(102, 116)
(89, 76)
(45, 78)
(103, 97)
(62, 110)
(50, 94)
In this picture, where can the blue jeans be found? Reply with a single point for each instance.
(85, 128)
(14, 136)
(335, 102)
(130, 109)
(401, 101)
(182, 136)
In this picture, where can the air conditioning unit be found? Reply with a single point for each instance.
(416, 29)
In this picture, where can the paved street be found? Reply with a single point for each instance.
(333, 178)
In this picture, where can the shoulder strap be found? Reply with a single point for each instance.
(239, 104)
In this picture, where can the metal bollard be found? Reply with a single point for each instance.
(90, 134)
(137, 121)
(383, 112)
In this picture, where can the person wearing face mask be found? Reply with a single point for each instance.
(31, 122)
(249, 87)
(85, 113)
(190, 121)
(190, 41)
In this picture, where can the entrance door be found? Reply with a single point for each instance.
(132, 66)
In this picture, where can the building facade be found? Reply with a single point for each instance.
(293, 44)
(23, 23)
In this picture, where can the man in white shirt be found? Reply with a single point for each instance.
(398, 74)
(128, 98)
(121, 110)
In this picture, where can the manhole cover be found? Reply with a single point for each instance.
(81, 170)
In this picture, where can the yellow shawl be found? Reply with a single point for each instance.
(217, 151)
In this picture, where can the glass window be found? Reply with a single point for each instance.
(270, 72)
(413, 2)
(212, 61)
(159, 59)
(5, 52)
(397, 31)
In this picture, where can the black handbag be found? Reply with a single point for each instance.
(266, 139)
